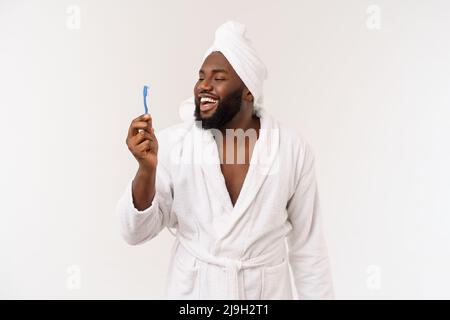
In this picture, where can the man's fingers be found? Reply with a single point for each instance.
(141, 124)
(141, 136)
(144, 146)
(142, 118)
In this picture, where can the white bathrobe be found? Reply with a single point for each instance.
(223, 251)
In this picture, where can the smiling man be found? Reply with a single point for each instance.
(234, 183)
(221, 97)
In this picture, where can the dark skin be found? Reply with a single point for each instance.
(216, 77)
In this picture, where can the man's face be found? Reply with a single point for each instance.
(218, 92)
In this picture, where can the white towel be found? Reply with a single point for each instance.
(232, 42)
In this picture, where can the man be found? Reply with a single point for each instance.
(234, 183)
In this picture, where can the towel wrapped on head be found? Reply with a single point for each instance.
(231, 41)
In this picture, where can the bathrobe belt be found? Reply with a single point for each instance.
(233, 266)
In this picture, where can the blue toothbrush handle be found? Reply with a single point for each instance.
(145, 94)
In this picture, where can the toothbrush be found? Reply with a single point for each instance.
(145, 93)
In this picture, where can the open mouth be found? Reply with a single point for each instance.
(207, 103)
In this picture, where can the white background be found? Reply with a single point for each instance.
(373, 103)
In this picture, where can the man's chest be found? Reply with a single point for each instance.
(235, 163)
(234, 175)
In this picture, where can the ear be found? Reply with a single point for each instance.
(247, 95)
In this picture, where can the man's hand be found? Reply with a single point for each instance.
(142, 143)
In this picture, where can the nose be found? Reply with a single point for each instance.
(204, 85)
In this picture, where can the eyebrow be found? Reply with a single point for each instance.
(214, 71)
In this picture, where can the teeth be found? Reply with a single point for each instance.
(206, 99)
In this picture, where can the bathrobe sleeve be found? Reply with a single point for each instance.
(140, 226)
(308, 255)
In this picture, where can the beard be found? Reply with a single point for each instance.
(225, 111)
